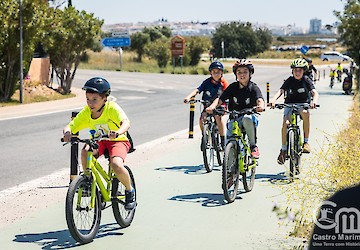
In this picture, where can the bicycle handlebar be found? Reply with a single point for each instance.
(245, 111)
(91, 142)
(294, 105)
(201, 101)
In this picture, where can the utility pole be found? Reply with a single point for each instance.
(21, 54)
(69, 3)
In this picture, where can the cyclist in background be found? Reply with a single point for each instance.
(212, 88)
(333, 74)
(298, 88)
(105, 118)
(339, 71)
(311, 69)
(243, 94)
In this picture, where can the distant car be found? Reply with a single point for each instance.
(334, 56)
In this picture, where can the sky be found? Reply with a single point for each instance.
(273, 12)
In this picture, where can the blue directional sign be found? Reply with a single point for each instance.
(116, 41)
(304, 49)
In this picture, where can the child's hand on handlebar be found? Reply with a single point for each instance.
(113, 134)
(67, 136)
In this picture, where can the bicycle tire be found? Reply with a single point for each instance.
(207, 149)
(217, 145)
(293, 153)
(230, 172)
(248, 177)
(83, 222)
(122, 216)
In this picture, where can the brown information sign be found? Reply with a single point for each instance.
(177, 46)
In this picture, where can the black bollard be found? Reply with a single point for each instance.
(74, 154)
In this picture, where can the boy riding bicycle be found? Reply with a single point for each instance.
(212, 88)
(105, 118)
(297, 89)
(243, 94)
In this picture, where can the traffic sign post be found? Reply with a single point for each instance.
(117, 42)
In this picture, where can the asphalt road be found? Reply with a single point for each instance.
(180, 205)
(30, 146)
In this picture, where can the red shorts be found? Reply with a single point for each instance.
(115, 148)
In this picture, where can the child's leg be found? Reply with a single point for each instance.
(117, 164)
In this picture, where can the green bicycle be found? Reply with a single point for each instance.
(88, 194)
(237, 158)
(293, 137)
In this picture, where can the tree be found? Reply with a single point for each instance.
(138, 42)
(160, 51)
(69, 35)
(33, 26)
(240, 39)
(195, 46)
(141, 39)
(349, 28)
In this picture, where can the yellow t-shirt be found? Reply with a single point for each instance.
(110, 119)
(339, 68)
(333, 74)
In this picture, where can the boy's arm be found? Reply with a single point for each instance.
(191, 95)
(216, 103)
(315, 98)
(260, 105)
(277, 95)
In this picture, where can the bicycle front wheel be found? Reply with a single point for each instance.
(122, 216)
(208, 149)
(217, 145)
(82, 219)
(294, 154)
(230, 172)
(248, 177)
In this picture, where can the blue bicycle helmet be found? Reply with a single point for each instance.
(216, 65)
(99, 85)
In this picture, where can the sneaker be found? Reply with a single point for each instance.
(281, 158)
(306, 148)
(130, 202)
(255, 152)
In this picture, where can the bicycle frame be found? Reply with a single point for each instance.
(294, 126)
(238, 135)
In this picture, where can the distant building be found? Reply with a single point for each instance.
(315, 26)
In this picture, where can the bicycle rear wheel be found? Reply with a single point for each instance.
(248, 177)
(230, 172)
(208, 149)
(82, 220)
(294, 154)
(122, 216)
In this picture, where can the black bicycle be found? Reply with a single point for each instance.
(294, 142)
(237, 158)
(210, 141)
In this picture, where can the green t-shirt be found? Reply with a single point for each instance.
(110, 119)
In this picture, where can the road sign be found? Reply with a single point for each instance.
(120, 34)
(304, 49)
(116, 41)
(177, 46)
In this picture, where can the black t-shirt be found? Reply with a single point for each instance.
(240, 98)
(309, 72)
(297, 91)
